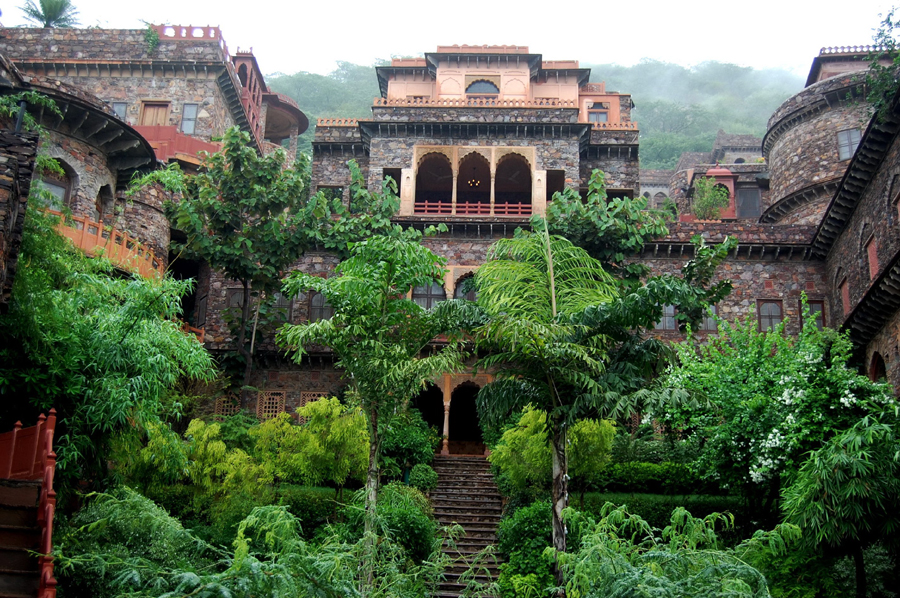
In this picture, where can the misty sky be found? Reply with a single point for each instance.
(311, 36)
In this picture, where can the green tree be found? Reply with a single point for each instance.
(611, 230)
(244, 214)
(101, 348)
(51, 13)
(709, 198)
(846, 494)
(378, 335)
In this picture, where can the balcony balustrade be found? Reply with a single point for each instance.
(472, 209)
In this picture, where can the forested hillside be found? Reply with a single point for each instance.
(678, 108)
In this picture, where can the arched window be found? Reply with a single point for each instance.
(877, 368)
(59, 187)
(465, 288)
(473, 185)
(428, 297)
(105, 204)
(242, 75)
(482, 88)
(770, 314)
(659, 199)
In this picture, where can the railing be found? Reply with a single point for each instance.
(481, 102)
(619, 126)
(27, 454)
(337, 122)
(594, 88)
(850, 49)
(200, 333)
(169, 143)
(121, 249)
(472, 209)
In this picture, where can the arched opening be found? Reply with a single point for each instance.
(465, 432)
(59, 188)
(105, 204)
(482, 88)
(430, 403)
(242, 75)
(434, 185)
(877, 368)
(659, 199)
(465, 288)
(512, 195)
(473, 186)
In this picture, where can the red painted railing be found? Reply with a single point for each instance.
(200, 333)
(119, 247)
(27, 454)
(472, 209)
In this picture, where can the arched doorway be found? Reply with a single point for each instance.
(434, 185)
(430, 403)
(513, 192)
(465, 432)
(473, 185)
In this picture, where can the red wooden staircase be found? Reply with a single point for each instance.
(27, 504)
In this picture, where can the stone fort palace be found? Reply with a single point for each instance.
(478, 138)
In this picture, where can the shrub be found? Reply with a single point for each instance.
(406, 443)
(313, 507)
(423, 477)
(652, 478)
(523, 538)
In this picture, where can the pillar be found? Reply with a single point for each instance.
(453, 192)
(445, 446)
(493, 184)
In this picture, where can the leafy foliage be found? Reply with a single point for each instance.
(620, 553)
(51, 13)
(709, 198)
(103, 349)
(10, 107)
(523, 538)
(771, 399)
(610, 230)
(423, 478)
(408, 442)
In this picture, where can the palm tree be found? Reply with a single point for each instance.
(51, 13)
(531, 287)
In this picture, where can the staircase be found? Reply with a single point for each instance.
(20, 536)
(466, 494)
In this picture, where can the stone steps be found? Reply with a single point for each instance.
(467, 495)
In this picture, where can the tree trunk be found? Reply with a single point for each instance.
(860, 571)
(241, 341)
(372, 475)
(560, 493)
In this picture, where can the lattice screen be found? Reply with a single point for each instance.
(227, 405)
(269, 403)
(308, 396)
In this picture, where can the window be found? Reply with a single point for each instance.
(269, 403)
(331, 192)
(59, 188)
(154, 114)
(319, 308)
(847, 143)
(188, 118)
(428, 297)
(120, 108)
(872, 256)
(283, 307)
(668, 319)
(307, 397)
(465, 289)
(844, 288)
(817, 309)
(770, 314)
(710, 323)
(598, 112)
(748, 203)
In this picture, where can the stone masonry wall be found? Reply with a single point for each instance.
(886, 344)
(875, 215)
(101, 44)
(621, 173)
(756, 280)
(17, 152)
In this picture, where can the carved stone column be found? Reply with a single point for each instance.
(453, 192)
(493, 184)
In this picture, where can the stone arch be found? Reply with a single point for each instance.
(513, 180)
(434, 184)
(504, 153)
(242, 75)
(473, 184)
(106, 202)
(659, 199)
(430, 404)
(451, 86)
(877, 367)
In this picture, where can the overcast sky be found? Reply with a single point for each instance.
(311, 36)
